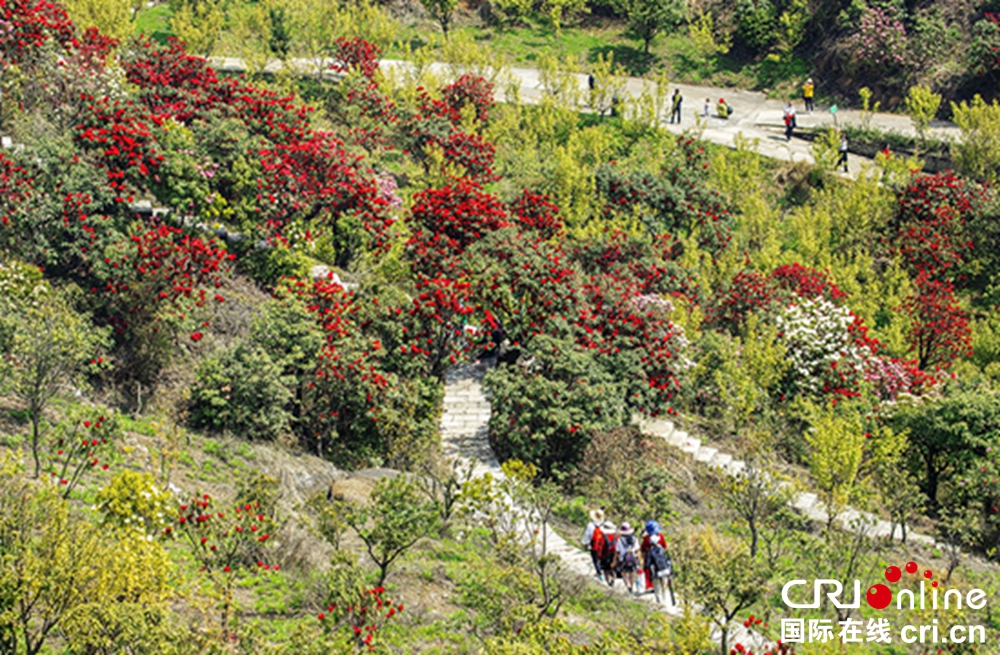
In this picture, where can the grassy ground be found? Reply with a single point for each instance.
(154, 22)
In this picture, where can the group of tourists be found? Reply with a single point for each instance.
(640, 561)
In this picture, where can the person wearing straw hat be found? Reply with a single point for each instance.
(626, 556)
(596, 518)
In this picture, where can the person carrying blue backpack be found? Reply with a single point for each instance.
(656, 563)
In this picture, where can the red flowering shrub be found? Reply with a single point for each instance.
(360, 619)
(748, 291)
(929, 228)
(29, 25)
(533, 211)
(356, 54)
(469, 90)
(940, 332)
(222, 541)
(121, 138)
(315, 182)
(806, 282)
(439, 309)
(86, 441)
(445, 222)
(435, 125)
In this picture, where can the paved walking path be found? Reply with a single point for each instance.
(755, 116)
(464, 427)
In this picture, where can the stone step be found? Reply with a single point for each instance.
(691, 445)
(736, 467)
(805, 501)
(705, 454)
(721, 460)
(677, 438)
(658, 428)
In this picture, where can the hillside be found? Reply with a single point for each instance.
(345, 363)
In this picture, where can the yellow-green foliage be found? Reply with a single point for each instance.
(58, 568)
(608, 84)
(826, 149)
(132, 500)
(844, 457)
(978, 151)
(922, 104)
(198, 24)
(836, 446)
(745, 382)
(111, 17)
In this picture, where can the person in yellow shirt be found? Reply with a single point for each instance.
(807, 94)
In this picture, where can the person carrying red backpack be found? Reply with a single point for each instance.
(606, 548)
(590, 537)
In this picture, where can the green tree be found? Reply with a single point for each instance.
(836, 444)
(396, 518)
(977, 153)
(280, 41)
(948, 436)
(922, 105)
(198, 23)
(719, 572)
(442, 11)
(111, 17)
(648, 18)
(754, 496)
(61, 572)
(49, 350)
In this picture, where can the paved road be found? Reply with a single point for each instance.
(754, 115)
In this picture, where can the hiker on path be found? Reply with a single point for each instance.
(594, 528)
(708, 108)
(724, 110)
(627, 557)
(607, 554)
(808, 90)
(843, 151)
(654, 549)
(675, 111)
(789, 120)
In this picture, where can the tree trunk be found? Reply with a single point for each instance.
(753, 540)
(36, 417)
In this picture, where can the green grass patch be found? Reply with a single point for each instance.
(154, 22)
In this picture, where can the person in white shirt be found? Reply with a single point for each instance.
(596, 518)
(627, 555)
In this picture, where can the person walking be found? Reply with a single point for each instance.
(654, 553)
(723, 109)
(675, 112)
(708, 108)
(843, 151)
(789, 120)
(608, 550)
(594, 528)
(627, 556)
(808, 90)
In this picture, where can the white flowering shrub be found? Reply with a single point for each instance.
(823, 354)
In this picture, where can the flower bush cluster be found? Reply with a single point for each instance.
(881, 39)
(362, 619)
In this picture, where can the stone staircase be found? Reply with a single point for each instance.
(806, 503)
(464, 437)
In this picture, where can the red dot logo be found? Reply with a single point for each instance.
(893, 574)
(911, 567)
(879, 596)
(928, 574)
